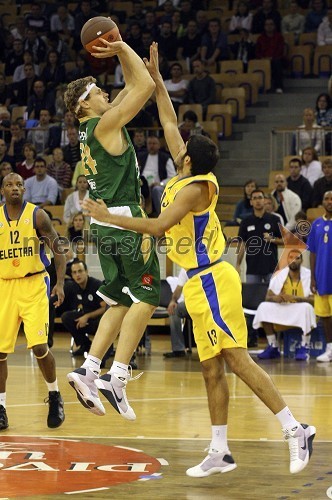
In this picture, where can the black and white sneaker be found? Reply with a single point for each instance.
(3, 418)
(82, 380)
(56, 414)
(299, 440)
(216, 462)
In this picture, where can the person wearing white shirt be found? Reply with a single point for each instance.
(177, 311)
(324, 32)
(176, 86)
(73, 201)
(41, 189)
(311, 167)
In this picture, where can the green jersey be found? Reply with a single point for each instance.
(114, 179)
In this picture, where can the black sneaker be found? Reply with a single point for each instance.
(174, 354)
(3, 418)
(56, 414)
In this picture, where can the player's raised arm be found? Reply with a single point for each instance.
(166, 111)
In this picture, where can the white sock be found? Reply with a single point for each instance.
(272, 340)
(219, 438)
(286, 418)
(305, 340)
(93, 363)
(329, 346)
(120, 369)
(3, 399)
(52, 386)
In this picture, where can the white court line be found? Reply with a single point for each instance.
(84, 491)
(162, 438)
(191, 398)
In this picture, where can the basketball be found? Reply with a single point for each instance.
(98, 27)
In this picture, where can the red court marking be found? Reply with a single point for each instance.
(33, 466)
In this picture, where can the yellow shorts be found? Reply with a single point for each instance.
(323, 305)
(214, 301)
(24, 299)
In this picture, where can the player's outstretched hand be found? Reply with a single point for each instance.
(111, 49)
(96, 209)
(153, 64)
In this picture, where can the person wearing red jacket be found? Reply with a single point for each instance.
(270, 45)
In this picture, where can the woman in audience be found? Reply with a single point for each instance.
(271, 206)
(241, 19)
(73, 201)
(190, 126)
(60, 170)
(243, 208)
(308, 134)
(25, 168)
(311, 166)
(324, 118)
(76, 228)
(54, 73)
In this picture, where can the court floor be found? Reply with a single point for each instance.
(110, 457)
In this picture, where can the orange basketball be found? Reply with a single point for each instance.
(98, 27)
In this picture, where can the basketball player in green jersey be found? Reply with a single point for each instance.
(213, 290)
(128, 259)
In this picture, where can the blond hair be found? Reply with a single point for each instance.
(74, 90)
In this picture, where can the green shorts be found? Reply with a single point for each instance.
(129, 263)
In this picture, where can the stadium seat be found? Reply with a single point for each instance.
(323, 61)
(222, 114)
(236, 97)
(197, 108)
(300, 61)
(261, 67)
(231, 67)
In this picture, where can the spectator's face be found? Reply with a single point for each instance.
(69, 118)
(53, 58)
(280, 183)
(188, 124)
(214, 28)
(15, 130)
(166, 29)
(192, 28)
(137, 9)
(18, 46)
(269, 26)
(322, 102)
(153, 145)
(62, 13)
(139, 139)
(44, 117)
(150, 18)
(135, 31)
(257, 201)
(58, 155)
(168, 7)
(31, 35)
(5, 169)
(82, 184)
(35, 10)
(40, 169)
(317, 5)
(294, 260)
(78, 222)
(327, 170)
(86, 8)
(201, 17)
(268, 205)
(29, 154)
(307, 156)
(39, 88)
(185, 6)
(293, 8)
(27, 58)
(72, 135)
(242, 8)
(198, 68)
(146, 39)
(267, 5)
(308, 116)
(79, 274)
(176, 72)
(29, 72)
(176, 17)
(294, 169)
(249, 188)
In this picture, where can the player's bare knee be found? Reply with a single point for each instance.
(212, 369)
(40, 351)
(236, 359)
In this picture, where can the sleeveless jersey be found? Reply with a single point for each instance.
(197, 240)
(114, 179)
(21, 251)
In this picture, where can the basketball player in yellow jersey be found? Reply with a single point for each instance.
(213, 290)
(24, 288)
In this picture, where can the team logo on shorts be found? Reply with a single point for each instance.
(147, 279)
(40, 333)
(16, 262)
(26, 221)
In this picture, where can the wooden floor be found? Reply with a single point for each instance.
(173, 425)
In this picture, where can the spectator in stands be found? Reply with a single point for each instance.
(134, 36)
(189, 44)
(258, 235)
(319, 245)
(323, 184)
(267, 11)
(76, 229)
(299, 184)
(54, 72)
(167, 41)
(315, 16)
(158, 168)
(244, 49)
(36, 20)
(6, 94)
(241, 19)
(150, 25)
(17, 141)
(138, 15)
(4, 156)
(202, 88)
(177, 27)
(112, 11)
(244, 207)
(311, 167)
(81, 70)
(83, 307)
(73, 200)
(202, 22)
(293, 22)
(45, 136)
(147, 40)
(324, 118)
(18, 29)
(190, 126)
(60, 170)
(270, 45)
(68, 121)
(166, 11)
(81, 17)
(55, 42)
(39, 99)
(176, 86)
(19, 73)
(289, 303)
(139, 141)
(41, 189)
(36, 45)
(324, 33)
(187, 12)
(25, 168)
(271, 207)
(14, 57)
(5, 169)
(214, 43)
(23, 89)
(309, 134)
(63, 23)
(289, 203)
(177, 312)
(72, 152)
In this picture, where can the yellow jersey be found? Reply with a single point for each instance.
(293, 288)
(197, 240)
(21, 251)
